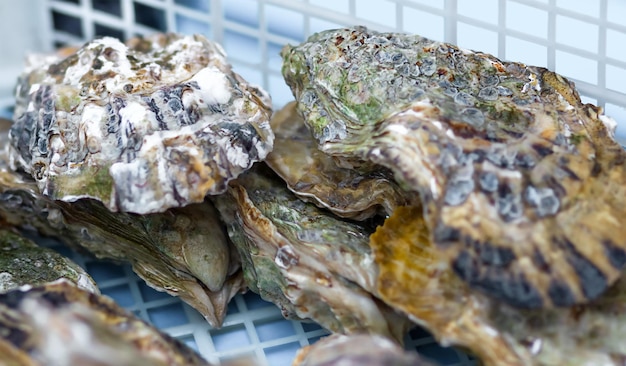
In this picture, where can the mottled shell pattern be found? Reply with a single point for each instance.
(24, 263)
(52, 313)
(155, 123)
(354, 192)
(523, 186)
(183, 251)
(308, 262)
(412, 281)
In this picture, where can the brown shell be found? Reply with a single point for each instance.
(416, 280)
(60, 324)
(352, 192)
(523, 185)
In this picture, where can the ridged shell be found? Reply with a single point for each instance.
(155, 123)
(24, 263)
(183, 251)
(523, 186)
(415, 279)
(353, 192)
(311, 264)
(60, 324)
(356, 350)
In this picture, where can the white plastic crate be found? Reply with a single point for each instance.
(584, 40)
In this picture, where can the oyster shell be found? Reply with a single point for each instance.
(23, 262)
(356, 350)
(183, 251)
(311, 264)
(523, 186)
(155, 123)
(353, 192)
(60, 324)
(413, 281)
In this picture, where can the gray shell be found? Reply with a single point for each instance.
(24, 263)
(523, 185)
(155, 123)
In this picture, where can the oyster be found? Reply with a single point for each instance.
(352, 192)
(523, 186)
(311, 264)
(60, 324)
(183, 251)
(23, 262)
(413, 281)
(155, 123)
(356, 350)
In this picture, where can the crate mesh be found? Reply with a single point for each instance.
(583, 40)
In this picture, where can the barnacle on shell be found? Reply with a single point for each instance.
(413, 279)
(523, 186)
(155, 123)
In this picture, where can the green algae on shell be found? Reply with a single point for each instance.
(183, 251)
(311, 264)
(523, 185)
(142, 126)
(24, 263)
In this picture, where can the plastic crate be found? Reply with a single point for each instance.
(583, 40)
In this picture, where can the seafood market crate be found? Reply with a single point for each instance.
(583, 40)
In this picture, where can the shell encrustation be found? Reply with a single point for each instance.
(523, 185)
(155, 123)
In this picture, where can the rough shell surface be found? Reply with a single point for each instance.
(356, 350)
(413, 280)
(22, 262)
(311, 264)
(155, 123)
(523, 186)
(183, 251)
(353, 192)
(60, 324)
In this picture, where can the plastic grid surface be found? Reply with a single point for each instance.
(583, 40)
(253, 329)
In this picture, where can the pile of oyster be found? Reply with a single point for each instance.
(410, 182)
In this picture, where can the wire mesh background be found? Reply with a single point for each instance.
(583, 40)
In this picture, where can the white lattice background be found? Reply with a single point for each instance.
(584, 40)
